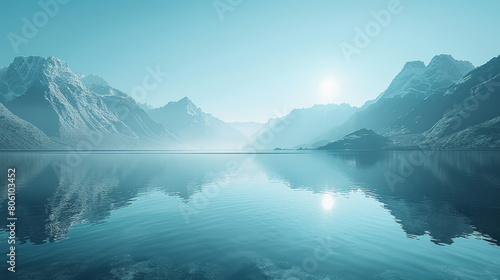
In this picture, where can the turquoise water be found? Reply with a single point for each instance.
(387, 215)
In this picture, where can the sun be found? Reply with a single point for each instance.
(329, 89)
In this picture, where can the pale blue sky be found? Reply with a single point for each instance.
(264, 56)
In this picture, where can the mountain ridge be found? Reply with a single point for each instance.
(300, 126)
(198, 129)
(447, 104)
(408, 89)
(46, 93)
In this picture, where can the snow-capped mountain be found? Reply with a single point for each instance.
(422, 81)
(414, 84)
(197, 128)
(461, 115)
(67, 107)
(45, 92)
(445, 105)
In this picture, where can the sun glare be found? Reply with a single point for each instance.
(327, 202)
(328, 90)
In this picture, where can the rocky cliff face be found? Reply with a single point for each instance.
(469, 111)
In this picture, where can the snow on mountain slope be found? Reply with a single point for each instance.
(45, 92)
(422, 81)
(69, 107)
(128, 110)
(23, 72)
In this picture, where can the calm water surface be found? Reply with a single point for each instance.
(387, 215)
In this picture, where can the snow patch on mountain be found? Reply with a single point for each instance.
(67, 106)
(23, 72)
(53, 98)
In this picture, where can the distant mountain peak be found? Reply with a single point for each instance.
(28, 68)
(442, 58)
(24, 64)
(446, 61)
(184, 105)
(321, 107)
(418, 80)
(34, 59)
(195, 127)
(417, 64)
(185, 100)
(25, 71)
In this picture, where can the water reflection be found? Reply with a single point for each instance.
(52, 199)
(444, 194)
(327, 202)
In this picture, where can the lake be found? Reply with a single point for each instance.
(276, 215)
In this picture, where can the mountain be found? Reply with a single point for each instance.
(469, 111)
(127, 109)
(358, 140)
(462, 115)
(68, 107)
(18, 134)
(414, 84)
(146, 107)
(301, 126)
(197, 128)
(447, 104)
(485, 135)
(421, 81)
(46, 93)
